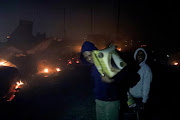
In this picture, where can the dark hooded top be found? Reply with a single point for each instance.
(103, 91)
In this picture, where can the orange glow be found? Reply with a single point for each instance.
(46, 70)
(58, 69)
(46, 76)
(77, 61)
(77, 48)
(70, 62)
(175, 63)
(18, 84)
(11, 98)
(119, 49)
(13, 89)
(8, 36)
(6, 63)
(2, 63)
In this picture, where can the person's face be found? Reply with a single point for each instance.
(88, 56)
(140, 56)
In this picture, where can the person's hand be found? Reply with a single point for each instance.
(106, 78)
(142, 106)
(139, 106)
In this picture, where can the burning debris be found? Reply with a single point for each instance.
(46, 69)
(9, 83)
(13, 90)
(6, 63)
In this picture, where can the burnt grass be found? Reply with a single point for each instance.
(69, 96)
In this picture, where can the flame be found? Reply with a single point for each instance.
(2, 63)
(77, 61)
(69, 62)
(175, 63)
(46, 70)
(11, 98)
(58, 69)
(13, 89)
(18, 84)
(6, 63)
(119, 49)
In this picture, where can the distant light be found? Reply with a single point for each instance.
(119, 49)
(175, 63)
(143, 45)
(69, 62)
(8, 37)
(167, 55)
(77, 61)
(59, 40)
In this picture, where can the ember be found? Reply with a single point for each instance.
(58, 69)
(46, 70)
(13, 90)
(18, 84)
(77, 61)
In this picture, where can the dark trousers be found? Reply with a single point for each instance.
(145, 113)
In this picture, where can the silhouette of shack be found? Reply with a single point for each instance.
(22, 37)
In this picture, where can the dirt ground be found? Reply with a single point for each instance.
(69, 96)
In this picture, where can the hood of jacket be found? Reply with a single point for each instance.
(87, 46)
(135, 53)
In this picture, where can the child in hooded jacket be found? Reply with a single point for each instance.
(106, 90)
(142, 88)
(140, 91)
(106, 94)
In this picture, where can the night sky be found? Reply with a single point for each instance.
(154, 22)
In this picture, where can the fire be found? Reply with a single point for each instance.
(77, 61)
(46, 70)
(13, 90)
(18, 84)
(69, 62)
(119, 49)
(11, 98)
(58, 69)
(6, 63)
(175, 63)
(2, 63)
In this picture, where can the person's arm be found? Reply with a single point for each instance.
(146, 85)
(128, 75)
(106, 78)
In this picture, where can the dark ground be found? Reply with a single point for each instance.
(69, 96)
